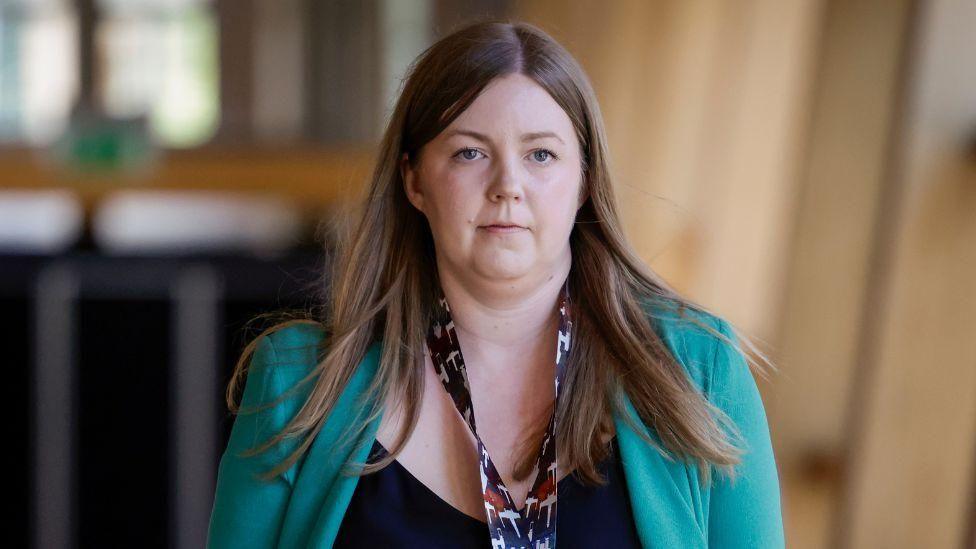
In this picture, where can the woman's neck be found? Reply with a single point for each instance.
(504, 318)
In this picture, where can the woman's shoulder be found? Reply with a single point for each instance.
(283, 357)
(703, 342)
(295, 344)
(286, 357)
(290, 348)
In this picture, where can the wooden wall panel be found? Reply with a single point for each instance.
(914, 442)
(821, 325)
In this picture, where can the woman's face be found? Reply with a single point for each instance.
(510, 159)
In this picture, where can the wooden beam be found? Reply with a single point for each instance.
(313, 176)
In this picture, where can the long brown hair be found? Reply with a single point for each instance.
(383, 279)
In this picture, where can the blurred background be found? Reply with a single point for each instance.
(806, 168)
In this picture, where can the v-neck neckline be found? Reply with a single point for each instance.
(444, 503)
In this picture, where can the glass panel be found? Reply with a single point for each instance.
(38, 69)
(162, 63)
(407, 30)
(33, 5)
(118, 7)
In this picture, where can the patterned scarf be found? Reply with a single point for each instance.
(535, 525)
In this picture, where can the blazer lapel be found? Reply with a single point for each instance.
(663, 493)
(322, 493)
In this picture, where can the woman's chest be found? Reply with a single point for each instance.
(442, 452)
(393, 508)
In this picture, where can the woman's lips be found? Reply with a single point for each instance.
(503, 229)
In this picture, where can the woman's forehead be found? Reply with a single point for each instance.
(514, 108)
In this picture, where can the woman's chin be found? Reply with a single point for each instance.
(504, 270)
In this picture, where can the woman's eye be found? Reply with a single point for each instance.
(543, 156)
(468, 154)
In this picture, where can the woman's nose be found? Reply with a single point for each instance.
(506, 184)
(500, 195)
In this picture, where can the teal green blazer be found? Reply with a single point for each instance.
(304, 506)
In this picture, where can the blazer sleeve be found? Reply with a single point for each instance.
(744, 511)
(248, 512)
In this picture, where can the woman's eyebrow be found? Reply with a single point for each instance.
(525, 137)
(540, 135)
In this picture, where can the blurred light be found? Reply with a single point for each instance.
(151, 222)
(161, 61)
(143, 6)
(39, 79)
(407, 30)
(39, 222)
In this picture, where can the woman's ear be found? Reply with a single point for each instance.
(410, 184)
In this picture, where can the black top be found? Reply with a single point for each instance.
(392, 508)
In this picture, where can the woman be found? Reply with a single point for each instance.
(490, 225)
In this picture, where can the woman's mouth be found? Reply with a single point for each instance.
(503, 229)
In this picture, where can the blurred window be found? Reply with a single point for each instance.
(156, 59)
(160, 60)
(192, 72)
(38, 69)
